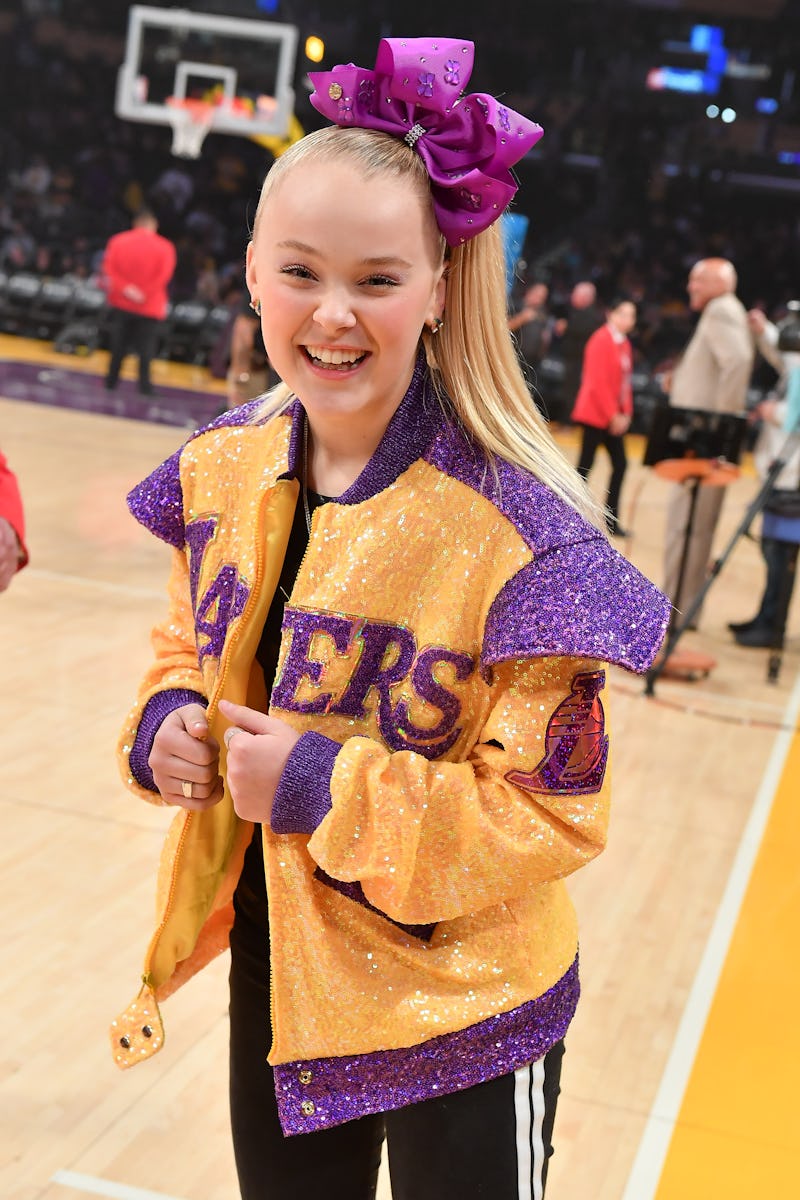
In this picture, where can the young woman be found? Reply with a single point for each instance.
(604, 405)
(376, 700)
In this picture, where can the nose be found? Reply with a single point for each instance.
(335, 311)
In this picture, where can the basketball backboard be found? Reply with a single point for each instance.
(199, 72)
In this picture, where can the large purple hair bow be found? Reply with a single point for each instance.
(468, 143)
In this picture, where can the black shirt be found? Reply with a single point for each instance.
(269, 646)
(250, 899)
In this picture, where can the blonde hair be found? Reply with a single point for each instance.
(474, 365)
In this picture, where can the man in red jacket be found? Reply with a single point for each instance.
(605, 400)
(13, 554)
(137, 266)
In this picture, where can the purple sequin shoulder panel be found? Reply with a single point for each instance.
(578, 596)
(543, 520)
(157, 502)
(581, 600)
(319, 1093)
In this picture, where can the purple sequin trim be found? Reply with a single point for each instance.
(157, 708)
(157, 502)
(579, 596)
(542, 519)
(354, 891)
(303, 795)
(408, 434)
(582, 600)
(318, 1093)
(295, 459)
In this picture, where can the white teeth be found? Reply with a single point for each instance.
(334, 357)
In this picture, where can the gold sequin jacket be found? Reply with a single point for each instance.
(443, 655)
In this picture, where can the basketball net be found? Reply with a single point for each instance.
(191, 120)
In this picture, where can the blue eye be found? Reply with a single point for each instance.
(296, 271)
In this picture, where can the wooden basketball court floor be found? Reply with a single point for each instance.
(680, 1076)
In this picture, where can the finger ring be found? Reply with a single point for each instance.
(186, 788)
(230, 734)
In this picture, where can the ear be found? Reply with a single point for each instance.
(250, 268)
(439, 293)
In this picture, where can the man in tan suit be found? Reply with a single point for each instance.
(713, 373)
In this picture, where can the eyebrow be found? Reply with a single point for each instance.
(379, 260)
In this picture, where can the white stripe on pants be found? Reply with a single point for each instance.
(529, 1110)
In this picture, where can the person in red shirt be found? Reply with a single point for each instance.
(137, 266)
(604, 405)
(13, 555)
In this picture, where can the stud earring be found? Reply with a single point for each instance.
(256, 307)
(436, 325)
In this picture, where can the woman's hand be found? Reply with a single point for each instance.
(185, 760)
(258, 748)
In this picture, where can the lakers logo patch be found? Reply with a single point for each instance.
(576, 745)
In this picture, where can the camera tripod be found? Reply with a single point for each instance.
(789, 448)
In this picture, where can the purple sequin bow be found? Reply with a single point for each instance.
(468, 143)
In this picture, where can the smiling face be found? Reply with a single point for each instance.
(348, 270)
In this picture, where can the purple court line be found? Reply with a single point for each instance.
(61, 388)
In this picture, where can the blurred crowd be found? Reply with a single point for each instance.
(625, 189)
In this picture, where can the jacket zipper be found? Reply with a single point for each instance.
(218, 691)
(211, 710)
(147, 977)
(271, 974)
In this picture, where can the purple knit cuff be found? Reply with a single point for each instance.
(157, 708)
(303, 796)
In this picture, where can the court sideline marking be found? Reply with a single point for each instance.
(103, 585)
(651, 1155)
(106, 1187)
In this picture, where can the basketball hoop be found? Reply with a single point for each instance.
(191, 120)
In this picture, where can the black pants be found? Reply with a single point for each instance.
(132, 334)
(615, 445)
(493, 1140)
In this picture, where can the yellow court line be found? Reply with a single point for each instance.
(168, 373)
(737, 1133)
(728, 1011)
